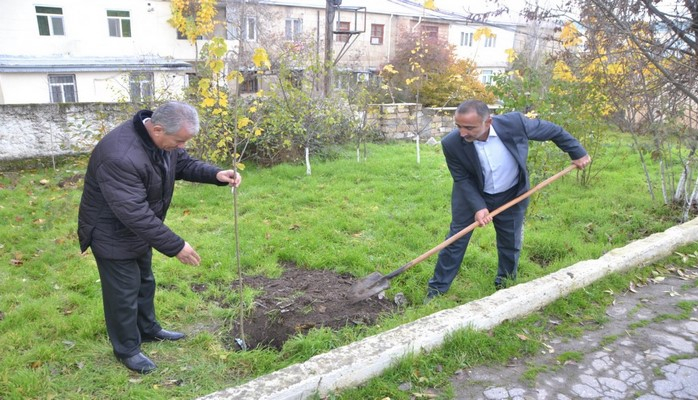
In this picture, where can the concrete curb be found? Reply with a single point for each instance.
(354, 364)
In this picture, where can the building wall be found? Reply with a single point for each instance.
(87, 32)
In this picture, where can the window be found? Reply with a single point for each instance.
(50, 21)
(466, 39)
(491, 41)
(343, 26)
(377, 34)
(486, 76)
(251, 28)
(141, 86)
(249, 83)
(62, 88)
(119, 23)
(430, 32)
(294, 27)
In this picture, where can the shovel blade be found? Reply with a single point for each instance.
(367, 287)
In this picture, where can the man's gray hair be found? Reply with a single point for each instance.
(480, 107)
(175, 115)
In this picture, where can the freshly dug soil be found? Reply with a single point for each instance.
(303, 299)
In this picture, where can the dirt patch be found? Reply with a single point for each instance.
(301, 300)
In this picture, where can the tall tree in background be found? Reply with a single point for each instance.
(650, 52)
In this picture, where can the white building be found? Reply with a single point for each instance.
(111, 50)
(88, 51)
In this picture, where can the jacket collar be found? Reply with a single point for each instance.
(141, 130)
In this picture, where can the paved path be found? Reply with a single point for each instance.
(657, 360)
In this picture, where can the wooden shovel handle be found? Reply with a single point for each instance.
(474, 225)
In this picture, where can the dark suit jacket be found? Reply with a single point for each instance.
(515, 130)
(128, 189)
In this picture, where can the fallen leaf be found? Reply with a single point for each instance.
(522, 336)
(16, 262)
(631, 287)
(44, 181)
(551, 350)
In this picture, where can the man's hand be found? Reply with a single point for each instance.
(230, 177)
(188, 255)
(482, 217)
(582, 162)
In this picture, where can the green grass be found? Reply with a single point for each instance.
(347, 217)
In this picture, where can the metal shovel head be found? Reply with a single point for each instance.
(367, 287)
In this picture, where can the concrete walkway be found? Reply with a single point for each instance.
(638, 353)
(354, 364)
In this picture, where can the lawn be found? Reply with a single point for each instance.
(347, 217)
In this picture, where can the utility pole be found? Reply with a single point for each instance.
(329, 41)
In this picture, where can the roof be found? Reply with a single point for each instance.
(90, 64)
(389, 7)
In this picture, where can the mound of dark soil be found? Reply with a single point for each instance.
(301, 300)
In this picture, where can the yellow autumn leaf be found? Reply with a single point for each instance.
(511, 55)
(389, 69)
(253, 109)
(482, 33)
(261, 58)
(429, 5)
(258, 132)
(208, 102)
(570, 36)
(243, 122)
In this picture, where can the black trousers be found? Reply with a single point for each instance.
(128, 294)
(509, 231)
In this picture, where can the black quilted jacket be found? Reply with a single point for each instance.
(128, 189)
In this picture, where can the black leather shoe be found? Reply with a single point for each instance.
(431, 295)
(162, 335)
(139, 363)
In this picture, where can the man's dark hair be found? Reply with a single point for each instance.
(474, 105)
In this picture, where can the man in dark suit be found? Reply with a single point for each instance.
(486, 156)
(128, 189)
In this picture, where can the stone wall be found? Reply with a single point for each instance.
(404, 120)
(41, 130)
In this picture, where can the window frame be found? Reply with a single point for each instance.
(466, 39)
(140, 82)
(342, 37)
(49, 19)
(250, 34)
(430, 32)
(62, 86)
(293, 28)
(374, 34)
(120, 23)
(250, 83)
(491, 41)
(486, 76)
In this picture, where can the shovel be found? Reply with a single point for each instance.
(376, 283)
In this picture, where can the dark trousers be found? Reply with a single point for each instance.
(128, 293)
(509, 231)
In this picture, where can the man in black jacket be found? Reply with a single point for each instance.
(128, 189)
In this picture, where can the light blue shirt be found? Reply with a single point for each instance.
(498, 165)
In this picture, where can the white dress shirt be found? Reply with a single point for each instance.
(498, 165)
